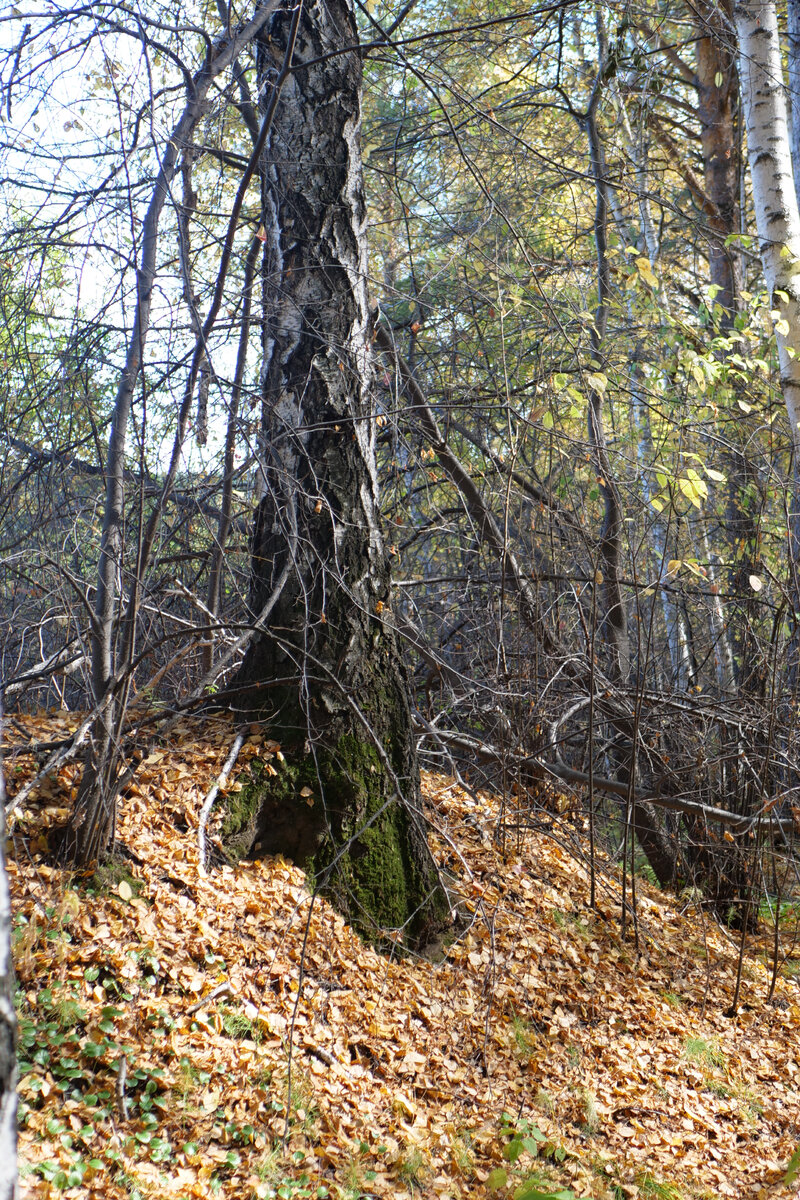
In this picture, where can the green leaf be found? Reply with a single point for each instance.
(547, 420)
(793, 1169)
(530, 1191)
(513, 1150)
(497, 1179)
(560, 381)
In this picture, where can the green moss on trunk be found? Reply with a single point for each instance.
(325, 673)
(333, 813)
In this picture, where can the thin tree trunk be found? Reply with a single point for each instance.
(677, 631)
(777, 216)
(91, 824)
(612, 608)
(8, 1019)
(214, 591)
(327, 674)
(793, 64)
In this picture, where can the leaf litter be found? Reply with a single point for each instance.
(188, 1035)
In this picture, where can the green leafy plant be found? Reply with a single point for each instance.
(526, 1137)
(793, 1168)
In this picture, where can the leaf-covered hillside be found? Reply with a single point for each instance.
(539, 1055)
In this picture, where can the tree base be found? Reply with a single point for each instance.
(334, 812)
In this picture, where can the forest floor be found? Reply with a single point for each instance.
(543, 1055)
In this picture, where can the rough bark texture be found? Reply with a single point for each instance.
(717, 92)
(327, 675)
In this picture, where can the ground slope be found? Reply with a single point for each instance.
(540, 1048)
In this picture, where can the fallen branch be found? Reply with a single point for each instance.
(122, 1100)
(222, 989)
(208, 803)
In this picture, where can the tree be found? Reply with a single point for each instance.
(91, 825)
(326, 671)
(777, 219)
(8, 1023)
(515, 302)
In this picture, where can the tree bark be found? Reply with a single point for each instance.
(777, 215)
(717, 90)
(326, 675)
(8, 1022)
(793, 65)
(717, 95)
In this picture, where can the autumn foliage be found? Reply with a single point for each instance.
(268, 1051)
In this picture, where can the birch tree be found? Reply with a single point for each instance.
(776, 210)
(8, 1023)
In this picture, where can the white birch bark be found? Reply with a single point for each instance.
(677, 634)
(8, 1022)
(774, 197)
(793, 69)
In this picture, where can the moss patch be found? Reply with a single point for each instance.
(334, 813)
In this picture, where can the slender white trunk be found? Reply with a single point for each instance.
(793, 64)
(774, 197)
(8, 1023)
(675, 625)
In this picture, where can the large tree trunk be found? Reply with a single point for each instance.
(717, 95)
(326, 675)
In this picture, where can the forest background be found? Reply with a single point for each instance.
(567, 373)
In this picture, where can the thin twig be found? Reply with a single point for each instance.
(222, 989)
